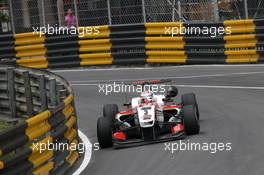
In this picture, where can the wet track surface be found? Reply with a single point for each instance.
(233, 113)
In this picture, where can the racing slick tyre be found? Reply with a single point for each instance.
(104, 132)
(110, 110)
(190, 121)
(190, 99)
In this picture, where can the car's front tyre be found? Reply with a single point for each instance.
(190, 99)
(190, 120)
(104, 132)
(110, 111)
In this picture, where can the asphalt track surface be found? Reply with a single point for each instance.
(231, 102)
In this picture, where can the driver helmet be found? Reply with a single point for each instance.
(148, 95)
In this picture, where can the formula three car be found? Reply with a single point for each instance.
(149, 118)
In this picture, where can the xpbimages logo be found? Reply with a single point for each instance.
(125, 88)
(212, 31)
(58, 146)
(212, 147)
(62, 30)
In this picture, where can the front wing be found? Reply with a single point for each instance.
(139, 142)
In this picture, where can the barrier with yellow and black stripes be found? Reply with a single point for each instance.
(161, 46)
(7, 49)
(44, 115)
(245, 44)
(228, 42)
(30, 50)
(95, 49)
(128, 44)
(62, 50)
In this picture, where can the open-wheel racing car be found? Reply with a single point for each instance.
(149, 118)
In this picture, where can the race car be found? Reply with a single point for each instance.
(149, 118)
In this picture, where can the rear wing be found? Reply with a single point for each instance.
(148, 82)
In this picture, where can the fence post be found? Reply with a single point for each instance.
(144, 11)
(28, 94)
(43, 93)
(179, 10)
(109, 12)
(12, 16)
(60, 10)
(76, 13)
(11, 92)
(173, 11)
(215, 10)
(246, 8)
(52, 92)
(62, 92)
(42, 10)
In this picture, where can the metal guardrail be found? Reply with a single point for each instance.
(43, 105)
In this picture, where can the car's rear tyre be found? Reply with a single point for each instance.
(190, 99)
(190, 121)
(110, 111)
(104, 132)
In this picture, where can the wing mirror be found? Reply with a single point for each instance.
(127, 104)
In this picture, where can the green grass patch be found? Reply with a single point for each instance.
(4, 125)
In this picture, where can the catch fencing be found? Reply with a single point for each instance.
(35, 13)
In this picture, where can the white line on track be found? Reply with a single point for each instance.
(193, 86)
(101, 69)
(182, 77)
(165, 67)
(222, 87)
(87, 154)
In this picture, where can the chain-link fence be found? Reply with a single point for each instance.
(91, 13)
(156, 10)
(241, 9)
(126, 12)
(255, 8)
(198, 10)
(5, 25)
(27, 14)
(234, 9)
